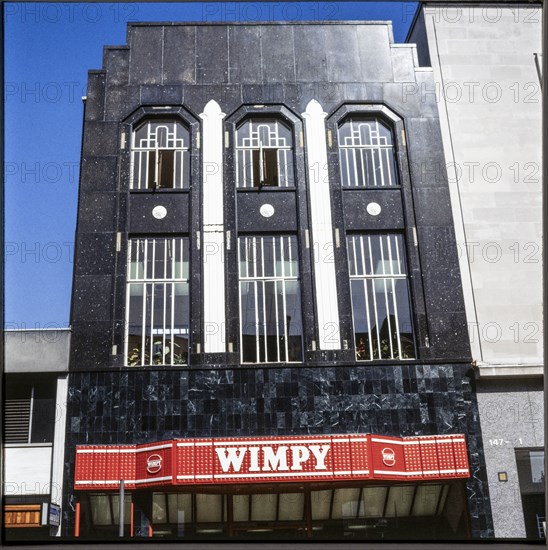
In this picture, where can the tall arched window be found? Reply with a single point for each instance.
(270, 299)
(381, 305)
(366, 153)
(160, 155)
(264, 154)
(158, 303)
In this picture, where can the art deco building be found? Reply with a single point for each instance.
(266, 341)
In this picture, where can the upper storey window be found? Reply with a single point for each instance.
(160, 156)
(270, 299)
(264, 154)
(158, 303)
(366, 154)
(381, 305)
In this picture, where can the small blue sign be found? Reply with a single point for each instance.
(54, 515)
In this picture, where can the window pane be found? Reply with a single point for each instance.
(321, 504)
(345, 503)
(115, 499)
(43, 418)
(158, 258)
(181, 323)
(260, 304)
(263, 507)
(209, 508)
(140, 137)
(100, 510)
(399, 501)
(256, 167)
(270, 173)
(380, 297)
(361, 319)
(270, 307)
(374, 499)
(264, 154)
(135, 323)
(159, 310)
(366, 154)
(151, 176)
(293, 319)
(248, 312)
(159, 508)
(241, 507)
(136, 265)
(426, 500)
(537, 466)
(291, 507)
(530, 465)
(268, 250)
(161, 132)
(166, 168)
(180, 508)
(291, 256)
(272, 325)
(160, 155)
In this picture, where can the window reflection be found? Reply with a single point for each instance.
(270, 300)
(160, 155)
(158, 302)
(264, 154)
(380, 297)
(366, 154)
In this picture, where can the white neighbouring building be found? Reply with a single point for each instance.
(34, 418)
(487, 64)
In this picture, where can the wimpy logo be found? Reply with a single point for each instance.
(265, 459)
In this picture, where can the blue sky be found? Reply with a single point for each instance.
(49, 47)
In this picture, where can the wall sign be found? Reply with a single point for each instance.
(154, 464)
(388, 456)
(271, 459)
(54, 517)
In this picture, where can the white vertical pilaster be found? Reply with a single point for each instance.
(213, 228)
(322, 227)
(58, 456)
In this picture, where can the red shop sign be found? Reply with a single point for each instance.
(271, 459)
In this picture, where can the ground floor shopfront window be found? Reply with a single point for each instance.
(530, 464)
(425, 510)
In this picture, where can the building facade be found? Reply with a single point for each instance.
(486, 62)
(257, 284)
(34, 415)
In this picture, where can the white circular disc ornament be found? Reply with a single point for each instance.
(374, 208)
(267, 210)
(159, 212)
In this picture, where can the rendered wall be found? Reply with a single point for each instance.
(489, 95)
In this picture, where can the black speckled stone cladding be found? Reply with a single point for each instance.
(183, 66)
(134, 407)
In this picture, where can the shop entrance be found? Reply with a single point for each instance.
(328, 511)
